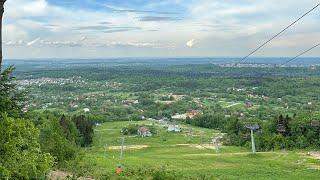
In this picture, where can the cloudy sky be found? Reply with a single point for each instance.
(156, 28)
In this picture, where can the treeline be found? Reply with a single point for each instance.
(283, 132)
(32, 143)
(61, 135)
(108, 72)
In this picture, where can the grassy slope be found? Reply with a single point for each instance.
(230, 163)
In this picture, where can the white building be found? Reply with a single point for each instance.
(174, 128)
(179, 116)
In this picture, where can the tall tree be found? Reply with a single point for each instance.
(1, 14)
(85, 127)
(12, 99)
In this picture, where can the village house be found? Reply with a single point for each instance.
(193, 113)
(163, 122)
(144, 132)
(179, 116)
(174, 128)
(249, 104)
(190, 114)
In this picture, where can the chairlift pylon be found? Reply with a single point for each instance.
(252, 127)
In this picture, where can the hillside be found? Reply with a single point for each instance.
(184, 155)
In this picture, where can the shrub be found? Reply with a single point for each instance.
(20, 153)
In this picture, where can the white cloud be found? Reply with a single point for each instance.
(57, 43)
(190, 43)
(14, 43)
(12, 32)
(33, 42)
(26, 8)
(83, 38)
(140, 45)
(40, 43)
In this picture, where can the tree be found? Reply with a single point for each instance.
(69, 128)
(85, 127)
(1, 14)
(12, 100)
(53, 141)
(20, 153)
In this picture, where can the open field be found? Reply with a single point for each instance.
(180, 152)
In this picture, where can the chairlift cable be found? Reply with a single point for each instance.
(278, 34)
(304, 52)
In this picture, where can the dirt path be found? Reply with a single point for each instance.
(128, 147)
(234, 104)
(239, 153)
(60, 175)
(315, 155)
(198, 146)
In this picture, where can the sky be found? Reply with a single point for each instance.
(157, 28)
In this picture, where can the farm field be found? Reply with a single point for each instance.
(190, 157)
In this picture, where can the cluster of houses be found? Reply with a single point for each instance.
(146, 132)
(189, 114)
(45, 80)
(165, 123)
(112, 84)
(130, 102)
(255, 65)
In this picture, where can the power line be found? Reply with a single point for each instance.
(304, 52)
(275, 36)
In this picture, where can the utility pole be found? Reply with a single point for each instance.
(252, 129)
(1, 15)
(119, 167)
(201, 138)
(190, 135)
(105, 150)
(100, 141)
(216, 142)
(121, 152)
(252, 142)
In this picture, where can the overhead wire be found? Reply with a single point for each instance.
(278, 34)
(304, 52)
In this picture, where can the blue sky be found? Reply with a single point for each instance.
(156, 28)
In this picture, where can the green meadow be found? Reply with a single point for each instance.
(188, 154)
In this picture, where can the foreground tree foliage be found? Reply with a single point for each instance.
(28, 151)
(61, 135)
(70, 130)
(12, 100)
(20, 153)
(54, 141)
